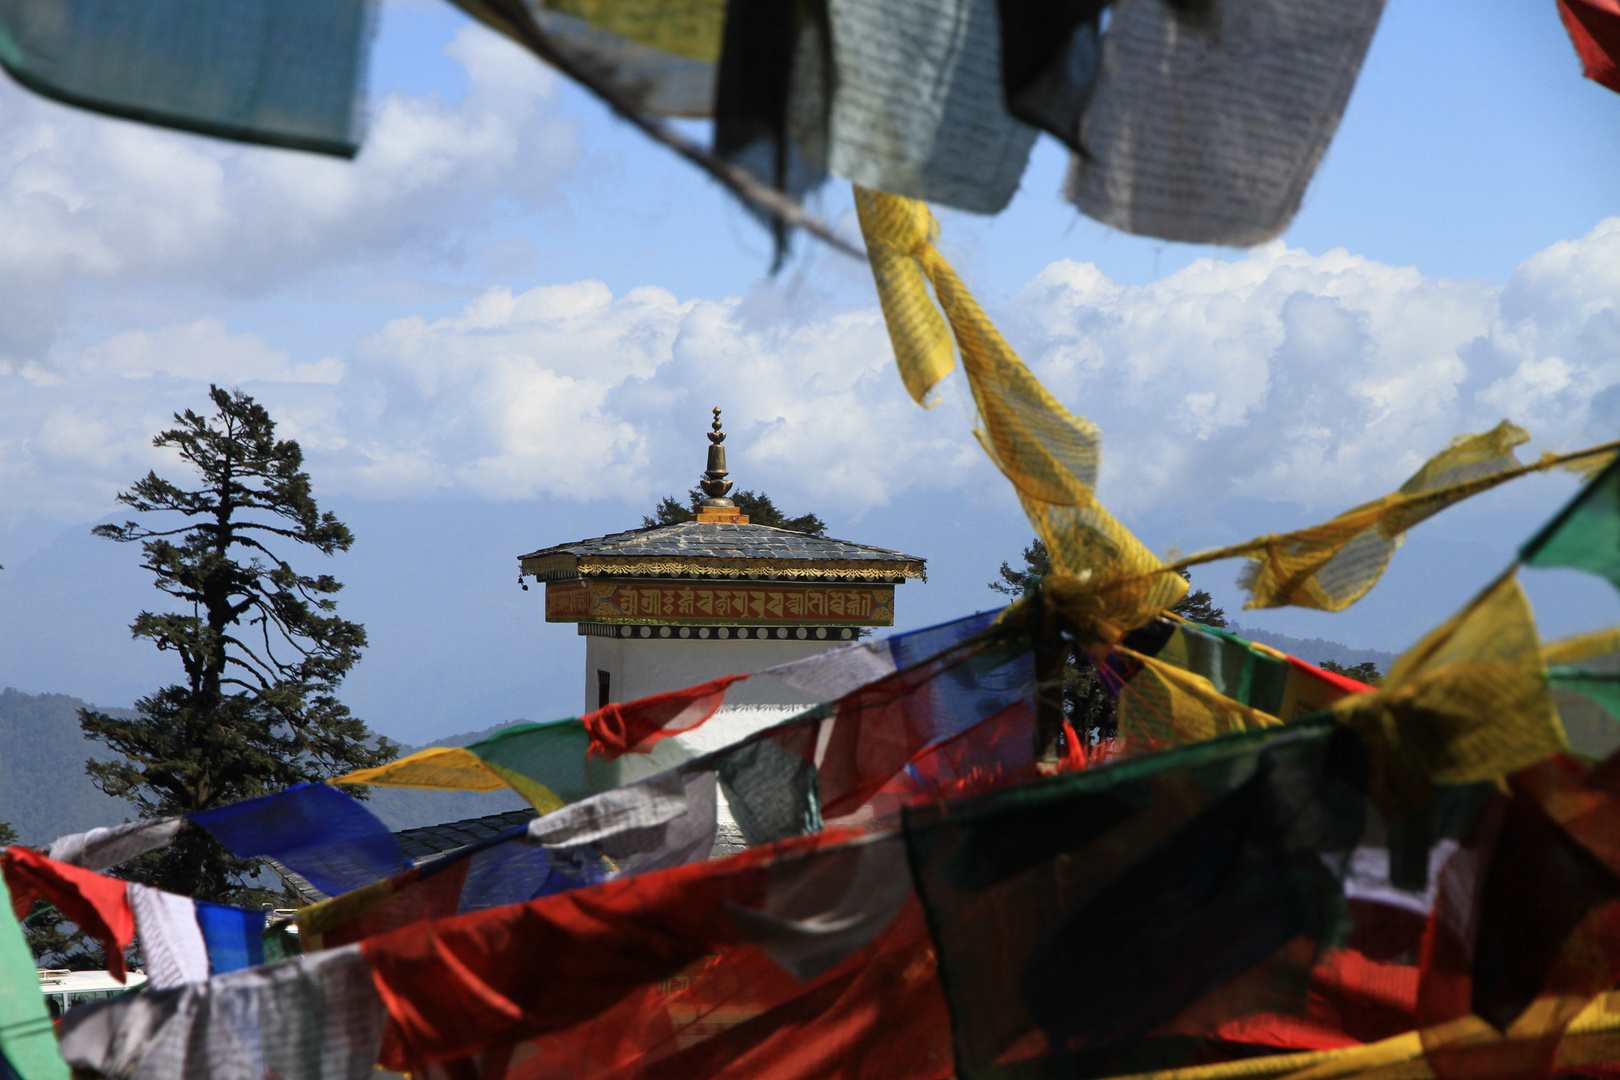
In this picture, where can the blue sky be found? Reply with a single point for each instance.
(503, 325)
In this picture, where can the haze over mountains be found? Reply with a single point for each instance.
(44, 792)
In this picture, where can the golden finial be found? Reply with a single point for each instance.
(717, 507)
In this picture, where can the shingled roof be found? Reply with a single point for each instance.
(721, 549)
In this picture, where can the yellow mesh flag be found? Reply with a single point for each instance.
(1469, 702)
(1111, 582)
(689, 28)
(1332, 565)
(1164, 705)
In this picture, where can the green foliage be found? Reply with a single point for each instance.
(756, 504)
(261, 646)
(1037, 564)
(1366, 671)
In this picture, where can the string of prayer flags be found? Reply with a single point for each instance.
(1585, 535)
(307, 1018)
(548, 764)
(1051, 456)
(830, 675)
(453, 988)
(27, 1041)
(277, 72)
(664, 820)
(1207, 120)
(326, 836)
(182, 940)
(1183, 907)
(1332, 565)
(1255, 675)
(1594, 30)
(501, 870)
(185, 940)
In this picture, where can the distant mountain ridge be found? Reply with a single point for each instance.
(1316, 650)
(45, 793)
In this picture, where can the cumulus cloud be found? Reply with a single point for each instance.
(1319, 379)
(1325, 378)
(85, 200)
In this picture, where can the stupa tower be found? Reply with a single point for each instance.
(676, 605)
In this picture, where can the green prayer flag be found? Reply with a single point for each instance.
(27, 1039)
(1585, 534)
(277, 72)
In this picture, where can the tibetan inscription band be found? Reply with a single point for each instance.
(654, 602)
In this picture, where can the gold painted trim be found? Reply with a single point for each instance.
(846, 569)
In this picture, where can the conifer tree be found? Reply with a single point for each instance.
(756, 504)
(259, 642)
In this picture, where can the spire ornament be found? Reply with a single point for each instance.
(717, 508)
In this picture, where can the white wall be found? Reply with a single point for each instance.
(642, 666)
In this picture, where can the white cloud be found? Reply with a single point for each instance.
(1321, 379)
(86, 200)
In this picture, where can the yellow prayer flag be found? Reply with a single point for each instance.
(1164, 706)
(1109, 582)
(1469, 702)
(452, 768)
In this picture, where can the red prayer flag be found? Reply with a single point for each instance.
(1594, 30)
(97, 904)
(635, 727)
(460, 986)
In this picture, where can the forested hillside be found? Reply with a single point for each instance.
(45, 793)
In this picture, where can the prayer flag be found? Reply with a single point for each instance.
(27, 1041)
(185, 940)
(1208, 120)
(106, 847)
(1594, 30)
(1105, 581)
(326, 836)
(1332, 565)
(97, 905)
(544, 763)
(277, 72)
(1584, 535)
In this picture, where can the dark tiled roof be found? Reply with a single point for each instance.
(432, 840)
(700, 542)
